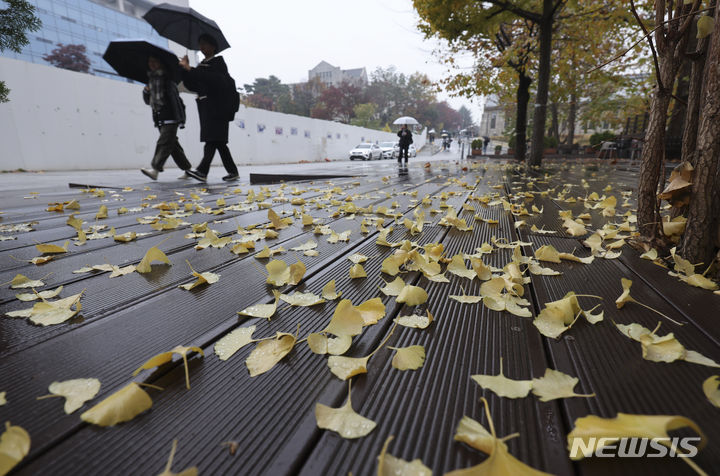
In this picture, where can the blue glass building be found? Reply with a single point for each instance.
(83, 22)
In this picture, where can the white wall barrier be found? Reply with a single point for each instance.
(62, 120)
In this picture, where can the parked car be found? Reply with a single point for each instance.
(387, 149)
(411, 151)
(366, 151)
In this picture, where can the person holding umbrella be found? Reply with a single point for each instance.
(405, 140)
(209, 81)
(168, 111)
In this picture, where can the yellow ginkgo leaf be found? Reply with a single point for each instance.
(548, 253)
(234, 341)
(52, 249)
(651, 254)
(555, 384)
(482, 271)
(192, 471)
(558, 316)
(357, 258)
(309, 245)
(700, 281)
(265, 311)
(203, 278)
(457, 267)
(166, 357)
(465, 299)
(344, 420)
(592, 432)
(14, 446)
(705, 26)
(346, 320)
(393, 288)
(48, 313)
(357, 271)
(277, 222)
(473, 434)
(625, 298)
(269, 352)
(408, 358)
(328, 291)
(121, 406)
(371, 311)
(418, 322)
(76, 392)
(153, 254)
(39, 295)
(412, 296)
(574, 228)
(322, 344)
(503, 386)
(125, 237)
(102, 212)
(302, 299)
(711, 388)
(21, 281)
(500, 462)
(280, 274)
(347, 367)
(389, 465)
(212, 240)
(662, 348)
(3, 398)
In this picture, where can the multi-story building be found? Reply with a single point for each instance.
(92, 23)
(333, 76)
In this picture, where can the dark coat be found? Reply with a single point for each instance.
(209, 81)
(405, 138)
(173, 107)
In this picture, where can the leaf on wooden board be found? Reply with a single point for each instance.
(121, 406)
(268, 352)
(166, 357)
(14, 446)
(265, 311)
(192, 471)
(234, 341)
(344, 420)
(389, 465)
(76, 392)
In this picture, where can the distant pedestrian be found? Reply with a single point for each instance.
(168, 111)
(486, 142)
(210, 80)
(405, 140)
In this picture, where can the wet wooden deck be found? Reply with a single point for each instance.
(126, 320)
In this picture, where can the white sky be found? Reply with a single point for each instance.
(288, 37)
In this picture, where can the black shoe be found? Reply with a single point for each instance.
(196, 175)
(231, 177)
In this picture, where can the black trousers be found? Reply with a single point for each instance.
(403, 150)
(168, 145)
(209, 153)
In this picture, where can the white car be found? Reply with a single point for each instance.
(366, 151)
(387, 149)
(411, 151)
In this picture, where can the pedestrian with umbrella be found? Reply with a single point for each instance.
(405, 137)
(209, 81)
(157, 68)
(217, 99)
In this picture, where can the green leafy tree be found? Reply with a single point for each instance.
(16, 20)
(267, 93)
(365, 116)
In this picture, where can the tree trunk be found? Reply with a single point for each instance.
(692, 115)
(572, 117)
(554, 130)
(523, 98)
(543, 83)
(699, 241)
(678, 108)
(653, 152)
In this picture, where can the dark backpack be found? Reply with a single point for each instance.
(233, 98)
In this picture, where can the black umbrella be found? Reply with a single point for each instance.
(184, 25)
(130, 59)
